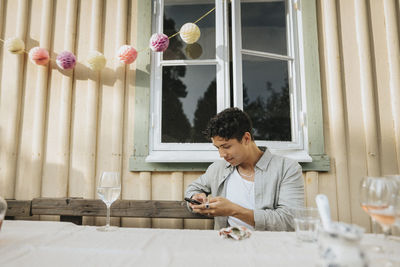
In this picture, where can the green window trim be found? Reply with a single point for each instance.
(321, 161)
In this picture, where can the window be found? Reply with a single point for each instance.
(150, 153)
(247, 57)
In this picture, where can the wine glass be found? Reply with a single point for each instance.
(378, 199)
(108, 190)
(364, 196)
(381, 201)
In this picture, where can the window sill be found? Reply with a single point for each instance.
(143, 163)
(211, 156)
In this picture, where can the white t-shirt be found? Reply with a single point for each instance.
(241, 192)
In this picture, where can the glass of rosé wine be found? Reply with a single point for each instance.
(378, 197)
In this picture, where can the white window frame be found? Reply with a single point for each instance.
(206, 152)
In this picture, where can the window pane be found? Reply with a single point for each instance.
(266, 97)
(177, 13)
(188, 103)
(264, 26)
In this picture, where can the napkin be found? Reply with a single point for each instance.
(235, 232)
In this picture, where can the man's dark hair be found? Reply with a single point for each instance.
(229, 123)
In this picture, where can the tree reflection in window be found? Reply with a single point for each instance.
(271, 116)
(176, 127)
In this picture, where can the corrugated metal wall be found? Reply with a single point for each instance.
(60, 129)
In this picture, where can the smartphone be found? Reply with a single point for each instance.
(193, 201)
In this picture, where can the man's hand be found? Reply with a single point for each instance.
(216, 206)
(199, 197)
(220, 206)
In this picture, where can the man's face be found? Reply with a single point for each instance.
(232, 150)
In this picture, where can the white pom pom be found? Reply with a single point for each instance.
(96, 60)
(189, 33)
(15, 45)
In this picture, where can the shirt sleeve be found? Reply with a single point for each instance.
(200, 185)
(291, 194)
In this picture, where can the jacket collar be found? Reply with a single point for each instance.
(262, 163)
(226, 172)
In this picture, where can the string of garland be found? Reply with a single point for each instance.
(127, 54)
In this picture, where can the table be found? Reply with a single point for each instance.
(40, 243)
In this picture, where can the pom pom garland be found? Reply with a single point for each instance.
(127, 54)
(189, 33)
(39, 56)
(96, 60)
(66, 60)
(159, 42)
(15, 45)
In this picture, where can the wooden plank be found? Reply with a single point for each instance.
(335, 113)
(362, 139)
(83, 142)
(57, 156)
(74, 219)
(320, 163)
(18, 207)
(327, 186)
(385, 79)
(41, 95)
(137, 186)
(167, 187)
(15, 23)
(29, 174)
(395, 63)
(120, 208)
(312, 77)
(311, 188)
(105, 156)
(142, 83)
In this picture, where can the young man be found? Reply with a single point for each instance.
(249, 187)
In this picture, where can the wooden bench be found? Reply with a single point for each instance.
(72, 209)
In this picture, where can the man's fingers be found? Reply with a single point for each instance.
(200, 197)
(213, 199)
(202, 208)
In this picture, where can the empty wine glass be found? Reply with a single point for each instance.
(108, 190)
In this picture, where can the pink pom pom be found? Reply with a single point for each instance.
(66, 60)
(159, 42)
(39, 56)
(127, 54)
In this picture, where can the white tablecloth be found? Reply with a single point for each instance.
(34, 243)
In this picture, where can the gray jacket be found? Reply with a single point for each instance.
(278, 186)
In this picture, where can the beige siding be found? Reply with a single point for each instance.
(359, 56)
(60, 129)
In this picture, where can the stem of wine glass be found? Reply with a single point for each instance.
(375, 248)
(386, 231)
(374, 226)
(108, 216)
